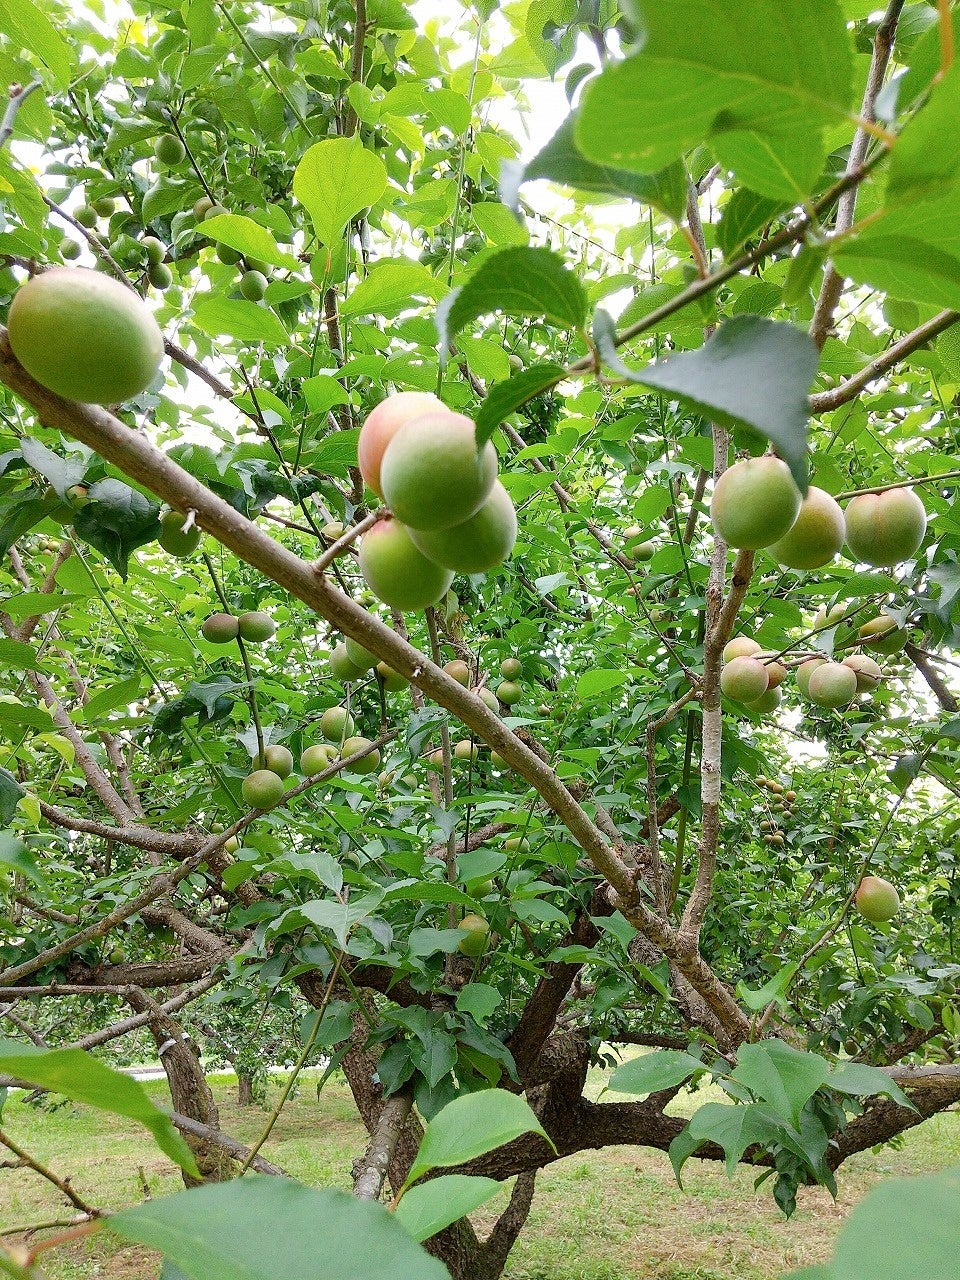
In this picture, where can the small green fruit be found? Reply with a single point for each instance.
(361, 658)
(458, 670)
(466, 750)
(86, 215)
(317, 758)
(202, 208)
(476, 932)
(214, 211)
(867, 671)
(744, 679)
(336, 723)
(105, 207)
(397, 572)
(155, 250)
(832, 685)
(885, 528)
(220, 628)
(256, 627)
(370, 762)
(333, 531)
(69, 249)
(172, 537)
(229, 257)
(341, 668)
(740, 647)
(279, 760)
(393, 681)
(489, 699)
(432, 475)
(160, 276)
(816, 536)
(883, 635)
(509, 692)
(517, 844)
(876, 899)
(262, 789)
(383, 423)
(755, 502)
(511, 668)
(479, 543)
(253, 286)
(169, 150)
(231, 844)
(804, 672)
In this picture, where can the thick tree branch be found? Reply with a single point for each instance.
(370, 1173)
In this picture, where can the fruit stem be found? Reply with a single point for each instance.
(346, 538)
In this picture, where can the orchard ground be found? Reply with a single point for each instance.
(607, 1215)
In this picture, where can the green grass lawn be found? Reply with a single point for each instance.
(607, 1215)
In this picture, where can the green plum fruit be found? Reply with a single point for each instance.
(370, 763)
(480, 543)
(202, 208)
(86, 215)
(744, 679)
(393, 681)
(69, 249)
(489, 699)
(174, 540)
(155, 250)
(476, 932)
(458, 670)
(383, 423)
(278, 759)
(755, 502)
(169, 150)
(740, 647)
(433, 477)
(466, 749)
(317, 758)
(253, 285)
(876, 899)
(767, 702)
(361, 658)
(885, 528)
(256, 627)
(511, 668)
(84, 336)
(816, 536)
(220, 628)
(804, 672)
(336, 723)
(340, 665)
(883, 635)
(262, 789)
(160, 276)
(397, 572)
(509, 692)
(867, 671)
(832, 685)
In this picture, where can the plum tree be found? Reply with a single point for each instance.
(220, 628)
(480, 543)
(396, 571)
(336, 723)
(433, 477)
(816, 535)
(84, 335)
(755, 502)
(476, 932)
(383, 423)
(256, 627)
(876, 899)
(174, 539)
(885, 528)
(832, 685)
(278, 759)
(744, 679)
(262, 789)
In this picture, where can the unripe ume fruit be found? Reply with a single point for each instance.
(832, 685)
(476, 931)
(383, 423)
(458, 670)
(317, 758)
(262, 789)
(480, 543)
(511, 668)
(84, 335)
(867, 671)
(341, 668)
(885, 528)
(393, 681)
(370, 763)
(816, 535)
(336, 723)
(256, 627)
(754, 503)
(397, 572)
(278, 759)
(361, 658)
(220, 628)
(805, 671)
(767, 702)
(509, 692)
(172, 537)
(744, 679)
(432, 475)
(883, 635)
(740, 647)
(466, 750)
(876, 899)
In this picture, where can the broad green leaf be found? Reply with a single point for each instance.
(759, 997)
(593, 683)
(235, 318)
(261, 1228)
(743, 215)
(504, 397)
(499, 225)
(905, 1228)
(249, 238)
(864, 1081)
(83, 1078)
(733, 1127)
(23, 717)
(433, 1205)
(470, 1126)
(14, 653)
(562, 161)
(116, 520)
(61, 472)
(428, 891)
(760, 85)
(118, 695)
(653, 1071)
(14, 853)
(11, 793)
(478, 999)
(784, 1077)
(921, 167)
(392, 287)
(518, 282)
(334, 181)
(753, 371)
(30, 27)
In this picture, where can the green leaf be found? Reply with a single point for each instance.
(83, 1078)
(118, 695)
(784, 1077)
(864, 1081)
(334, 181)
(518, 282)
(758, 998)
(593, 683)
(653, 1071)
(478, 999)
(906, 1228)
(744, 214)
(14, 653)
(390, 288)
(249, 238)
(921, 167)
(753, 372)
(24, 717)
(470, 1126)
(761, 86)
(116, 520)
(562, 161)
(235, 318)
(10, 794)
(14, 853)
(61, 472)
(29, 27)
(427, 1209)
(504, 397)
(261, 1228)
(733, 1127)
(499, 224)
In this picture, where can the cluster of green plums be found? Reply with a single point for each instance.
(255, 626)
(756, 503)
(263, 788)
(781, 802)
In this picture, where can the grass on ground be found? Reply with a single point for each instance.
(615, 1214)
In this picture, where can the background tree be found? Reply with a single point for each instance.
(324, 207)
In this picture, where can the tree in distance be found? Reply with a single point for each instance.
(740, 647)
(885, 528)
(744, 679)
(220, 628)
(393, 681)
(369, 763)
(84, 336)
(489, 699)
(466, 749)
(480, 543)
(336, 723)
(476, 931)
(174, 540)
(169, 150)
(458, 670)
(253, 285)
(361, 658)
(262, 789)
(511, 668)
(383, 423)
(341, 668)
(397, 572)
(256, 627)
(816, 535)
(867, 671)
(876, 899)
(883, 635)
(432, 475)
(509, 692)
(278, 759)
(832, 685)
(317, 758)
(805, 671)
(755, 502)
